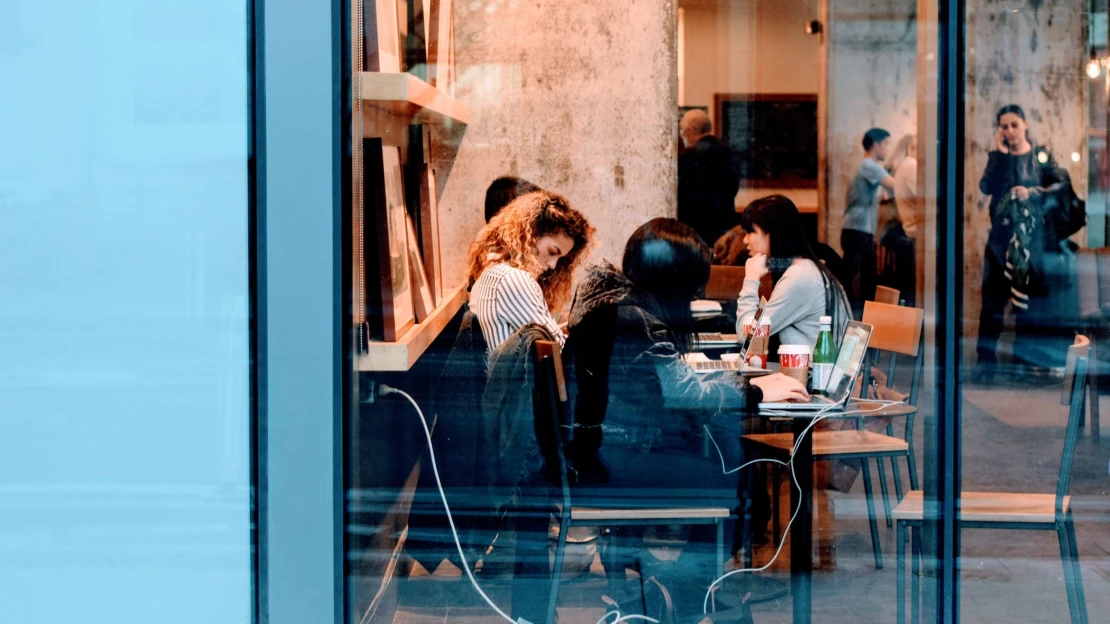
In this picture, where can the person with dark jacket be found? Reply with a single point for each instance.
(1024, 176)
(708, 179)
(638, 404)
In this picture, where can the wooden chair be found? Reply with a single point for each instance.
(725, 283)
(1006, 510)
(896, 330)
(887, 295)
(550, 405)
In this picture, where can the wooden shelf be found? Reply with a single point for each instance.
(406, 96)
(402, 355)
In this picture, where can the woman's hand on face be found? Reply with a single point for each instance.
(1000, 142)
(778, 387)
(1020, 192)
(756, 267)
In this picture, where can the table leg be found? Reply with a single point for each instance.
(801, 531)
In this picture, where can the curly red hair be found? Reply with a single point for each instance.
(511, 237)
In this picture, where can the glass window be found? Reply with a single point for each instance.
(619, 256)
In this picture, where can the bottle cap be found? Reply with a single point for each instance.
(825, 320)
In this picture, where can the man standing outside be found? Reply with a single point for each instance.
(708, 179)
(861, 219)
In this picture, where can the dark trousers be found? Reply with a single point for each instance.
(996, 294)
(1042, 332)
(859, 260)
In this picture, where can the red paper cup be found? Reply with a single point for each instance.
(794, 362)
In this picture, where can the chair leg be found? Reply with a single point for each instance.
(915, 579)
(882, 487)
(865, 470)
(1069, 582)
(1077, 576)
(894, 468)
(901, 572)
(557, 568)
(911, 464)
(1093, 383)
(776, 485)
(720, 547)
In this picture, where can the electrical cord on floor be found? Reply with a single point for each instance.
(818, 417)
(384, 389)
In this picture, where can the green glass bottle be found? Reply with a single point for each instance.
(824, 357)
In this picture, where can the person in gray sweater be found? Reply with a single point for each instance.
(804, 288)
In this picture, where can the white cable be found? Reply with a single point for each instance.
(384, 389)
(630, 617)
(604, 618)
(818, 417)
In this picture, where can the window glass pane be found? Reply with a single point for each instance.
(801, 149)
(124, 444)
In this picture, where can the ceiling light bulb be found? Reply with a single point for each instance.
(1075, 156)
(1094, 70)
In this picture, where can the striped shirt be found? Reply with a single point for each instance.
(505, 299)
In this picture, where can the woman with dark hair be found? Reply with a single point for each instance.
(1019, 174)
(804, 288)
(642, 416)
(629, 331)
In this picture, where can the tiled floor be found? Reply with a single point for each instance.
(1012, 442)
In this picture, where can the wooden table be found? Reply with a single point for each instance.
(801, 498)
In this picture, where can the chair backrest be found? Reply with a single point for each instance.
(550, 402)
(725, 283)
(895, 328)
(898, 330)
(1074, 396)
(887, 295)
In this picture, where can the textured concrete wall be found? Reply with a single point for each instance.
(1031, 53)
(872, 50)
(578, 97)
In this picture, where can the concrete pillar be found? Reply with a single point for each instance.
(578, 97)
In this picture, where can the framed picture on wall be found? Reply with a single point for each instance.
(381, 36)
(391, 305)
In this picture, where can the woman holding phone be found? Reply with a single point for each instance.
(1017, 171)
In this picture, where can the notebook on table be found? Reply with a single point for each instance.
(849, 361)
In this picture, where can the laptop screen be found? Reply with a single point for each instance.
(754, 324)
(849, 360)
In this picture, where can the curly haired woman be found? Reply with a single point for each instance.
(522, 264)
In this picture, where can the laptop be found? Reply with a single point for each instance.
(705, 365)
(849, 360)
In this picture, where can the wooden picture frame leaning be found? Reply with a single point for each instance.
(385, 197)
(421, 293)
(382, 36)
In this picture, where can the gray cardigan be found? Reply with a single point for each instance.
(795, 307)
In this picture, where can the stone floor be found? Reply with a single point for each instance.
(1012, 440)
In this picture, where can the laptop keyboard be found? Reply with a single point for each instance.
(713, 365)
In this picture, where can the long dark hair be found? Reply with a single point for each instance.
(778, 217)
(667, 261)
(1015, 110)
